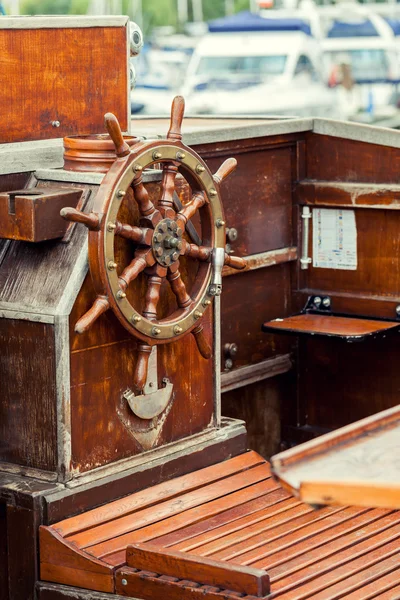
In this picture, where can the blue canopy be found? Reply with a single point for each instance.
(248, 21)
(395, 25)
(341, 29)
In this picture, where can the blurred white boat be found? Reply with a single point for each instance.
(266, 72)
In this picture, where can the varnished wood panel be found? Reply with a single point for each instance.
(262, 406)
(60, 75)
(257, 199)
(378, 248)
(342, 383)
(28, 395)
(247, 300)
(3, 554)
(336, 159)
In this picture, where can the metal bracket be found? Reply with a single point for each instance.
(217, 260)
(305, 260)
(154, 400)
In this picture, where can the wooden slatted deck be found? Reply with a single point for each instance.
(231, 526)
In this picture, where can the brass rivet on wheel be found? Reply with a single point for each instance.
(213, 192)
(200, 169)
(175, 256)
(136, 318)
(206, 302)
(197, 314)
(111, 265)
(177, 330)
(156, 331)
(111, 226)
(180, 155)
(121, 294)
(137, 168)
(121, 193)
(167, 260)
(156, 155)
(220, 222)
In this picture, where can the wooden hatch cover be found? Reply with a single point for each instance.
(358, 464)
(226, 531)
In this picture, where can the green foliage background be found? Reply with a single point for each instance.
(155, 12)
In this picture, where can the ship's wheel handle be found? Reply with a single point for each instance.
(159, 240)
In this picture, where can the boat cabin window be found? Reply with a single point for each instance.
(305, 67)
(366, 63)
(262, 66)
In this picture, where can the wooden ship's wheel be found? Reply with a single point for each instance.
(159, 239)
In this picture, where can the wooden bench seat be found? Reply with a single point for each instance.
(226, 531)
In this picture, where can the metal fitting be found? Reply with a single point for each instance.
(317, 301)
(111, 265)
(326, 302)
(219, 223)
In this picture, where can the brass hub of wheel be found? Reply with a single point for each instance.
(167, 242)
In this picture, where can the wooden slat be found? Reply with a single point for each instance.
(113, 551)
(202, 570)
(282, 551)
(353, 195)
(158, 493)
(392, 594)
(227, 521)
(271, 367)
(281, 534)
(131, 522)
(223, 536)
(350, 556)
(322, 574)
(359, 585)
(148, 586)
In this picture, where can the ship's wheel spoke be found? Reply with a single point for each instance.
(139, 235)
(100, 305)
(202, 253)
(202, 345)
(143, 259)
(198, 200)
(146, 207)
(141, 368)
(152, 297)
(166, 204)
(178, 287)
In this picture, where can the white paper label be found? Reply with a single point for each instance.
(334, 239)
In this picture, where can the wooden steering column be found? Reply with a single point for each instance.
(158, 238)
